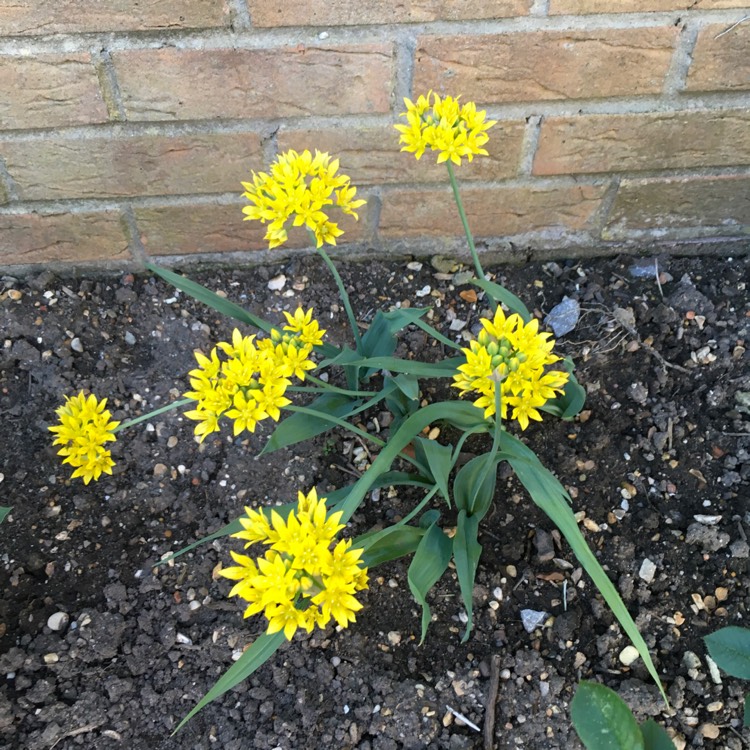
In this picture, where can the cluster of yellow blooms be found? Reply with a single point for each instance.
(249, 385)
(445, 126)
(298, 187)
(514, 354)
(300, 582)
(84, 428)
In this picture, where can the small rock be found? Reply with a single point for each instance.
(628, 655)
(707, 520)
(160, 470)
(415, 265)
(710, 731)
(563, 317)
(129, 338)
(740, 549)
(424, 291)
(532, 619)
(708, 537)
(76, 345)
(394, 638)
(647, 571)
(277, 283)
(58, 621)
(51, 658)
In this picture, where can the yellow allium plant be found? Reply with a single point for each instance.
(306, 577)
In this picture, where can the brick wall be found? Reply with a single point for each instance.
(126, 127)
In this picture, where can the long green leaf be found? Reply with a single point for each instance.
(655, 737)
(438, 459)
(4, 510)
(429, 563)
(730, 649)
(444, 369)
(466, 553)
(264, 647)
(389, 544)
(547, 492)
(501, 294)
(570, 402)
(603, 720)
(380, 338)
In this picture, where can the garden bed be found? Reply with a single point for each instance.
(658, 465)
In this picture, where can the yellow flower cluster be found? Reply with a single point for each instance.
(84, 428)
(445, 126)
(300, 582)
(514, 354)
(248, 384)
(298, 187)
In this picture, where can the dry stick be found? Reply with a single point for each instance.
(489, 712)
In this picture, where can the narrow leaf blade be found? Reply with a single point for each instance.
(466, 553)
(501, 294)
(4, 510)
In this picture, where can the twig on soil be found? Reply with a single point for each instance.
(469, 723)
(656, 273)
(75, 732)
(489, 711)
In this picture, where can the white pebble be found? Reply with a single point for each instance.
(58, 621)
(277, 283)
(424, 291)
(532, 619)
(628, 655)
(647, 571)
(76, 345)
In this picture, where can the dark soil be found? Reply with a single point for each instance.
(662, 447)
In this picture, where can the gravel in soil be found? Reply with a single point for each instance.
(100, 649)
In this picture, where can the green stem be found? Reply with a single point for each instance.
(152, 414)
(465, 222)
(344, 298)
(327, 387)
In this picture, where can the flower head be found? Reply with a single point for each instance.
(298, 188)
(513, 355)
(445, 126)
(245, 380)
(83, 429)
(301, 581)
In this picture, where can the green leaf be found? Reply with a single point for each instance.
(438, 459)
(474, 485)
(446, 368)
(230, 528)
(4, 510)
(466, 553)
(603, 720)
(501, 294)
(655, 737)
(569, 403)
(298, 427)
(408, 385)
(264, 647)
(389, 544)
(730, 649)
(429, 563)
(547, 492)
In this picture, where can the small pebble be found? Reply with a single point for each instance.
(628, 655)
(532, 619)
(394, 638)
(160, 470)
(647, 571)
(277, 283)
(76, 345)
(710, 731)
(51, 658)
(58, 621)
(129, 338)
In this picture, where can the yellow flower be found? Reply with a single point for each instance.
(513, 355)
(304, 326)
(443, 125)
(298, 188)
(300, 582)
(83, 429)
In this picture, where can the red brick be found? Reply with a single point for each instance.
(73, 16)
(492, 212)
(372, 156)
(145, 165)
(621, 143)
(178, 84)
(687, 206)
(558, 7)
(721, 63)
(178, 230)
(267, 13)
(37, 238)
(542, 65)
(47, 91)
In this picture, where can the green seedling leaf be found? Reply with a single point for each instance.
(4, 510)
(438, 459)
(603, 720)
(298, 427)
(389, 544)
(256, 656)
(428, 518)
(380, 340)
(474, 485)
(547, 492)
(569, 403)
(466, 553)
(501, 294)
(730, 649)
(408, 385)
(429, 563)
(655, 737)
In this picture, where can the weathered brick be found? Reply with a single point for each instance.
(267, 13)
(177, 230)
(621, 143)
(584, 7)
(73, 16)
(681, 206)
(179, 84)
(491, 212)
(47, 91)
(373, 156)
(38, 238)
(541, 65)
(144, 165)
(721, 63)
